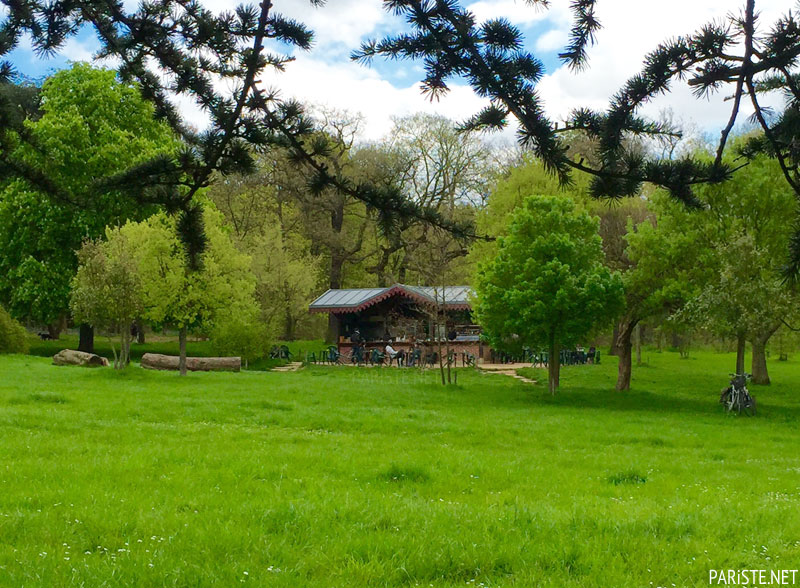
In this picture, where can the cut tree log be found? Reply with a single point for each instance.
(157, 361)
(81, 358)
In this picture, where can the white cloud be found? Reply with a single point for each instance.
(338, 26)
(552, 40)
(518, 12)
(74, 50)
(325, 76)
(348, 86)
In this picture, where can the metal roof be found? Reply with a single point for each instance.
(358, 299)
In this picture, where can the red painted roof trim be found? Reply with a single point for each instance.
(393, 291)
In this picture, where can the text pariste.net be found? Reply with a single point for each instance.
(753, 577)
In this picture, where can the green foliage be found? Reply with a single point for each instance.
(739, 244)
(509, 193)
(13, 336)
(91, 126)
(173, 294)
(548, 282)
(107, 288)
(665, 260)
(250, 341)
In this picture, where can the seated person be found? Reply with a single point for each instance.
(413, 353)
(391, 353)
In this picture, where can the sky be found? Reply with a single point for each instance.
(326, 78)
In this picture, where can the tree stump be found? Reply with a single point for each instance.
(157, 361)
(79, 358)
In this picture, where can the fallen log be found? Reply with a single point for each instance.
(157, 361)
(80, 358)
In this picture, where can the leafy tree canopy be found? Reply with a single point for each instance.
(89, 126)
(547, 287)
(174, 295)
(175, 49)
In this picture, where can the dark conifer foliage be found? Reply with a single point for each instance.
(178, 48)
(490, 56)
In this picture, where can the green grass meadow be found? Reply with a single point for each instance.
(380, 477)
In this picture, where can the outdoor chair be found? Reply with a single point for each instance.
(333, 355)
(377, 356)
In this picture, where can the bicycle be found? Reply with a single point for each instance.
(737, 398)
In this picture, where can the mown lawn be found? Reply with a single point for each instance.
(369, 477)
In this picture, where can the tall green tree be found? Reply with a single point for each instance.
(660, 265)
(741, 238)
(107, 289)
(189, 300)
(547, 286)
(90, 125)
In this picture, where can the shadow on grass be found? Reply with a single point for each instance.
(646, 401)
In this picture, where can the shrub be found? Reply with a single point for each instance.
(13, 336)
(246, 340)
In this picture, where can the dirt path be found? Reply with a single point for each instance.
(507, 369)
(289, 367)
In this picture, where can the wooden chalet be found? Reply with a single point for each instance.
(407, 316)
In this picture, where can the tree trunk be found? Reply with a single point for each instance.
(759, 365)
(54, 329)
(740, 347)
(553, 365)
(86, 338)
(124, 350)
(335, 282)
(379, 269)
(624, 345)
(439, 344)
(447, 351)
(677, 341)
(332, 336)
(288, 325)
(182, 357)
(401, 273)
(140, 338)
(614, 348)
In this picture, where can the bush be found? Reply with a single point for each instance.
(246, 340)
(13, 336)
